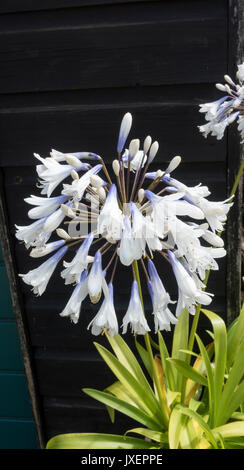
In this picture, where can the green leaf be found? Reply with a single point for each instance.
(122, 406)
(177, 423)
(235, 336)
(145, 399)
(210, 378)
(220, 350)
(195, 416)
(120, 392)
(188, 371)
(129, 361)
(229, 430)
(180, 341)
(98, 441)
(145, 357)
(167, 368)
(154, 435)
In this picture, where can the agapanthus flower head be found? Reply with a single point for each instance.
(134, 217)
(220, 113)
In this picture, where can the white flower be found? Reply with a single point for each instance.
(45, 205)
(135, 315)
(189, 293)
(96, 278)
(212, 108)
(215, 212)
(30, 234)
(52, 173)
(160, 300)
(72, 272)
(138, 160)
(44, 250)
(73, 307)
(54, 220)
(38, 278)
(77, 188)
(110, 220)
(105, 319)
(143, 231)
(130, 249)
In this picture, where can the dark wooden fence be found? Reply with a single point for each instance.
(69, 71)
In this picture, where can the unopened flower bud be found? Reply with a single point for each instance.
(101, 193)
(67, 211)
(141, 194)
(62, 234)
(124, 131)
(229, 80)
(220, 87)
(159, 174)
(116, 167)
(153, 151)
(74, 175)
(73, 161)
(173, 164)
(147, 143)
(96, 181)
(133, 148)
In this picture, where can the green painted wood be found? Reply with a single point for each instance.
(10, 355)
(15, 400)
(17, 434)
(6, 310)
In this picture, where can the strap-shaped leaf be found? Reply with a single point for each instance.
(122, 406)
(195, 416)
(128, 359)
(145, 398)
(220, 350)
(98, 441)
(150, 434)
(235, 336)
(188, 371)
(180, 342)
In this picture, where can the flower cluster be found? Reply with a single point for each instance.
(141, 216)
(227, 109)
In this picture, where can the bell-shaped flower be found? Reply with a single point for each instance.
(73, 307)
(96, 278)
(129, 247)
(52, 173)
(125, 128)
(135, 316)
(163, 317)
(44, 205)
(30, 234)
(105, 319)
(78, 186)
(192, 193)
(137, 161)
(143, 231)
(213, 239)
(216, 212)
(110, 220)
(189, 293)
(46, 249)
(72, 272)
(55, 219)
(38, 278)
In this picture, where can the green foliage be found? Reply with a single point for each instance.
(195, 400)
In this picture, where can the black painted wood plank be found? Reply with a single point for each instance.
(95, 129)
(33, 5)
(142, 48)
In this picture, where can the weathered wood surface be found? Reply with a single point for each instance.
(69, 71)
